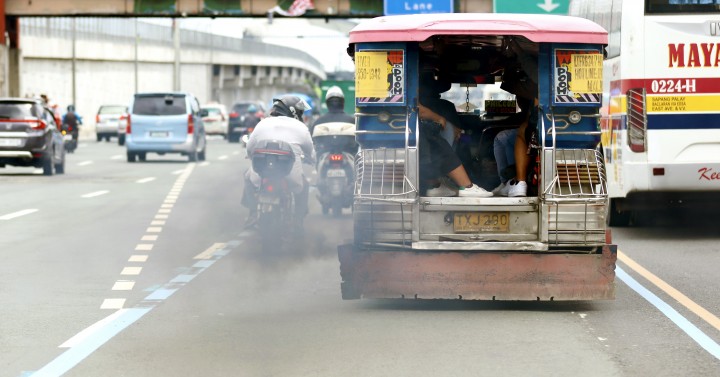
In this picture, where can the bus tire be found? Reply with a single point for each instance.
(618, 217)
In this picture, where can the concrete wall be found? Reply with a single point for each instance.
(106, 69)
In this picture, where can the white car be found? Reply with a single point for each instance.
(111, 121)
(216, 121)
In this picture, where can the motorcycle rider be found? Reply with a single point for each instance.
(284, 124)
(335, 101)
(72, 120)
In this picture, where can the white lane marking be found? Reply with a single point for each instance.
(84, 163)
(178, 171)
(82, 335)
(236, 153)
(204, 163)
(94, 194)
(18, 214)
(161, 216)
(138, 258)
(157, 222)
(145, 180)
(131, 270)
(208, 253)
(117, 157)
(164, 210)
(223, 157)
(144, 246)
(166, 205)
(123, 285)
(149, 237)
(154, 229)
(113, 303)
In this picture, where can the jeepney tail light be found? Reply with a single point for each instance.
(636, 120)
(336, 157)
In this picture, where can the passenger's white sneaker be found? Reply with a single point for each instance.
(475, 192)
(441, 191)
(517, 188)
(497, 190)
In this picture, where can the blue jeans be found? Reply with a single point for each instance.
(504, 150)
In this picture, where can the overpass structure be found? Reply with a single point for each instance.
(93, 61)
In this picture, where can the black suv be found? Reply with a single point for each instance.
(29, 136)
(237, 116)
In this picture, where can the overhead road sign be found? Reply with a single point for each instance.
(531, 6)
(396, 7)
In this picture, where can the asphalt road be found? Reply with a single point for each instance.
(118, 269)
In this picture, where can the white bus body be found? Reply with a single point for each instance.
(661, 105)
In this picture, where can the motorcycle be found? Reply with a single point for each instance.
(69, 138)
(336, 147)
(276, 218)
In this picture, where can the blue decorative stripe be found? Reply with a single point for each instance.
(683, 121)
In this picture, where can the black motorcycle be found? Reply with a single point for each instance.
(276, 218)
(70, 137)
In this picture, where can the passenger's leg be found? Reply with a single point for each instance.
(519, 187)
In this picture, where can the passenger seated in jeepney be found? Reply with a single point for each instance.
(505, 155)
(437, 157)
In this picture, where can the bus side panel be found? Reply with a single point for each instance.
(476, 275)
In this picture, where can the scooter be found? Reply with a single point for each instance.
(276, 218)
(336, 147)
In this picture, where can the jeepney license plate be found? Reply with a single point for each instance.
(476, 222)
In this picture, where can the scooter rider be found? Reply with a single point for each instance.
(72, 121)
(284, 124)
(335, 101)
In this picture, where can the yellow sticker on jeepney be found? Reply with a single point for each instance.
(586, 73)
(380, 76)
(577, 76)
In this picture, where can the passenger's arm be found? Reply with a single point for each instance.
(426, 113)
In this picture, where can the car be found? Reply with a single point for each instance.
(216, 121)
(236, 117)
(111, 120)
(165, 122)
(30, 136)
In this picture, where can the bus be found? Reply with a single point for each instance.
(660, 117)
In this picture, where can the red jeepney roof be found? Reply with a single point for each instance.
(535, 27)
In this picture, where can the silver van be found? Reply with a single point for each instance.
(165, 123)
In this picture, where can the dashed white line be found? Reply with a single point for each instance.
(144, 246)
(131, 271)
(161, 217)
(84, 163)
(138, 258)
(156, 229)
(150, 237)
(145, 180)
(123, 285)
(18, 214)
(164, 210)
(112, 303)
(204, 163)
(117, 157)
(223, 157)
(157, 222)
(178, 171)
(94, 194)
(236, 153)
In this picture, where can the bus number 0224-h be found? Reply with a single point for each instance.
(673, 86)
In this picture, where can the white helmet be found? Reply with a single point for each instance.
(334, 92)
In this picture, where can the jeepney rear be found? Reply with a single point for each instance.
(550, 245)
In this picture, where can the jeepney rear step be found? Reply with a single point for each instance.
(468, 275)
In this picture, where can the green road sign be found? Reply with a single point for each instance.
(531, 6)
